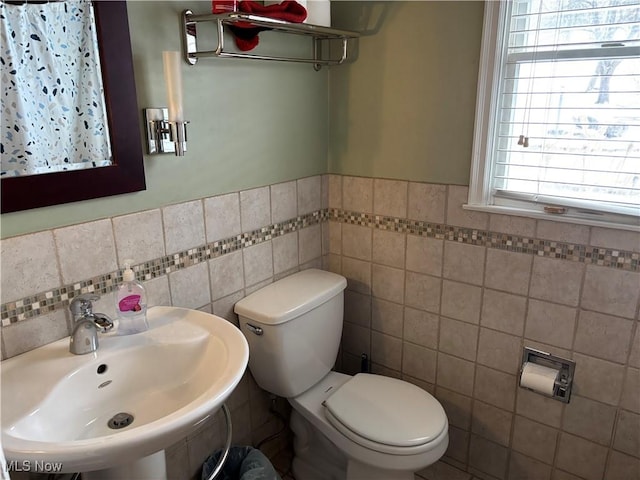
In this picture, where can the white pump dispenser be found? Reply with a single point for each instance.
(131, 303)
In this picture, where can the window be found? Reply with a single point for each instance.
(558, 111)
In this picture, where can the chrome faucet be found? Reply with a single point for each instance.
(86, 324)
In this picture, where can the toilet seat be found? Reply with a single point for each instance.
(385, 414)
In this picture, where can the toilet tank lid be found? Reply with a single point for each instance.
(291, 296)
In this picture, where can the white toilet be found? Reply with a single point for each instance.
(365, 427)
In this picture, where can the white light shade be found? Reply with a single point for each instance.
(173, 81)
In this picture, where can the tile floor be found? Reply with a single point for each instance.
(437, 471)
(282, 464)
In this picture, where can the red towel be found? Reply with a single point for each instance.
(246, 35)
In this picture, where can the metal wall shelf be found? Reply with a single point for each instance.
(321, 35)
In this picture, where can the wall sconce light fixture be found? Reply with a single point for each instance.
(167, 128)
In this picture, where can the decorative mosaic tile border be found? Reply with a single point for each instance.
(46, 302)
(604, 257)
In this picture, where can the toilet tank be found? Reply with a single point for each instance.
(293, 327)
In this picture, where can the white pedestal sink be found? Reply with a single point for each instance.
(56, 406)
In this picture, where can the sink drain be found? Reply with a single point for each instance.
(120, 420)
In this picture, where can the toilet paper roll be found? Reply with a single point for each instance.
(319, 12)
(538, 378)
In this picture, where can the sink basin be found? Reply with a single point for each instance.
(56, 406)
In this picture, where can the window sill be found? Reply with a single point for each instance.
(565, 218)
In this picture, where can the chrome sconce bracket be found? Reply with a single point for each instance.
(164, 136)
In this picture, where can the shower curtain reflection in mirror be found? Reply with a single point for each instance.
(53, 115)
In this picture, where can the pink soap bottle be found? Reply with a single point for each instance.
(131, 303)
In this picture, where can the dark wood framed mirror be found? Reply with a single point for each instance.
(127, 172)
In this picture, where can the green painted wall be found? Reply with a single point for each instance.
(252, 123)
(405, 108)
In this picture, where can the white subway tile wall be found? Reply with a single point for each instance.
(440, 296)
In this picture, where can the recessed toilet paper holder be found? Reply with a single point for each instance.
(565, 368)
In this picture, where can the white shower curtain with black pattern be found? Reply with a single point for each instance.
(52, 101)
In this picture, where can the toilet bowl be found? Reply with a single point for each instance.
(412, 435)
(362, 427)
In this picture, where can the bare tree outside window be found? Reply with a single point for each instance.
(572, 89)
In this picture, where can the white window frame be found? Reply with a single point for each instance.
(480, 195)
